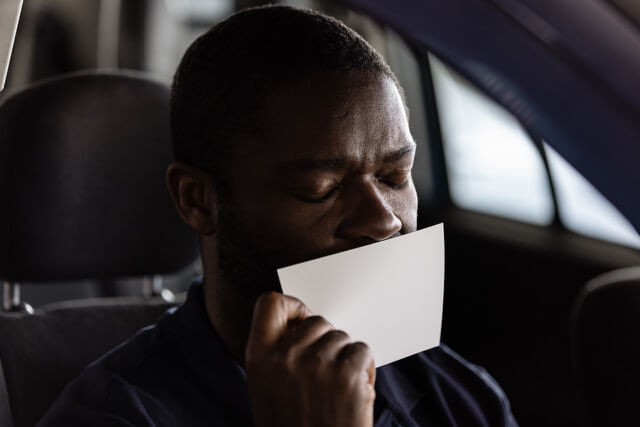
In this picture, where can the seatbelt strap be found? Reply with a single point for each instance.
(5, 410)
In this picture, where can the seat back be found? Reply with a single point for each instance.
(605, 336)
(40, 353)
(83, 196)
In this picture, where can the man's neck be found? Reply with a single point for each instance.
(230, 314)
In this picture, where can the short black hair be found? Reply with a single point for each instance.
(225, 75)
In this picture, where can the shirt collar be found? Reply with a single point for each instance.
(393, 385)
(205, 353)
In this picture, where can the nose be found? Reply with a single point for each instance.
(369, 216)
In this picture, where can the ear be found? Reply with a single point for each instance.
(194, 197)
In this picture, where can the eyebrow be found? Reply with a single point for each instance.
(399, 154)
(340, 163)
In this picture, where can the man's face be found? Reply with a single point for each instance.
(331, 173)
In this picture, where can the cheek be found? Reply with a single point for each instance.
(406, 208)
(295, 231)
(312, 225)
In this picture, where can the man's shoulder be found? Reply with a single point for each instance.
(440, 379)
(103, 397)
(175, 372)
(123, 378)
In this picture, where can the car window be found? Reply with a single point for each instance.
(492, 165)
(583, 209)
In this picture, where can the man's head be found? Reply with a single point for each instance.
(292, 142)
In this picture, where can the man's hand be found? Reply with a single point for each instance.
(302, 372)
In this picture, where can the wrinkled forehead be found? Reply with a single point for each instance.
(359, 115)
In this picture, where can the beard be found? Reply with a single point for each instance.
(246, 258)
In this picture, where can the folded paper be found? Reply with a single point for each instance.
(388, 294)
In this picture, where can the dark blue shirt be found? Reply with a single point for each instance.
(178, 373)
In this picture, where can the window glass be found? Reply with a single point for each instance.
(584, 209)
(492, 165)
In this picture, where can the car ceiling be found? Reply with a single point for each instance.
(631, 8)
(568, 70)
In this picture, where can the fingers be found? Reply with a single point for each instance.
(305, 332)
(284, 321)
(329, 345)
(323, 378)
(357, 357)
(271, 315)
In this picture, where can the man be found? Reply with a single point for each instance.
(291, 142)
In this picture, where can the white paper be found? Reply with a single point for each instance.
(387, 294)
(9, 15)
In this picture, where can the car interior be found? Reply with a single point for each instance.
(542, 287)
(83, 207)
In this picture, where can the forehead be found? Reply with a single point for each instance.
(356, 116)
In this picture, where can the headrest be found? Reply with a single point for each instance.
(82, 181)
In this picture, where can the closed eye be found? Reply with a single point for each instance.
(321, 199)
(397, 181)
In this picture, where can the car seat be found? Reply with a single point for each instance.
(82, 196)
(605, 337)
